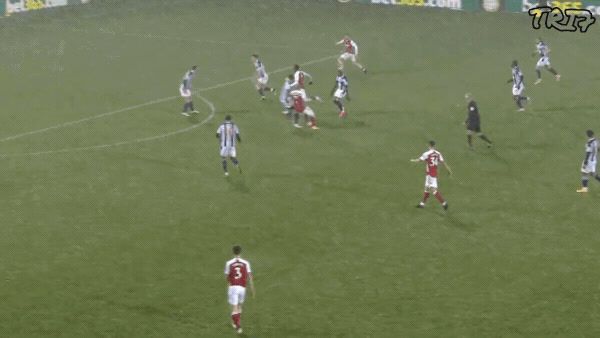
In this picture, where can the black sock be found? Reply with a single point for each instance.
(483, 137)
(235, 161)
(553, 71)
(339, 105)
(185, 107)
(225, 165)
(539, 74)
(296, 118)
(261, 92)
(470, 140)
(191, 105)
(597, 177)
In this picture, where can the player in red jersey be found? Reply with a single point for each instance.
(238, 275)
(298, 83)
(350, 52)
(432, 159)
(300, 107)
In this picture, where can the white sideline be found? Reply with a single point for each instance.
(210, 116)
(149, 103)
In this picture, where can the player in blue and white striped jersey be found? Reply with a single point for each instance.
(588, 167)
(518, 86)
(185, 89)
(262, 78)
(543, 51)
(340, 91)
(228, 134)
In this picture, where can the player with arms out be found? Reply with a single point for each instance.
(518, 86)
(543, 51)
(473, 122)
(238, 274)
(432, 159)
(588, 167)
(340, 91)
(350, 52)
(185, 89)
(262, 78)
(300, 107)
(228, 134)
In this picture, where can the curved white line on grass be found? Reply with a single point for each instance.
(210, 116)
(149, 103)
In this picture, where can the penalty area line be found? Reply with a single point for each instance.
(210, 116)
(149, 103)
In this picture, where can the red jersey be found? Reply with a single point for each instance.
(349, 46)
(299, 104)
(237, 271)
(432, 158)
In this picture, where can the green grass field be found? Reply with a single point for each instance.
(105, 240)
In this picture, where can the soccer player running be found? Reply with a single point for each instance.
(262, 78)
(284, 95)
(238, 275)
(543, 51)
(300, 107)
(432, 159)
(518, 86)
(339, 92)
(350, 52)
(473, 122)
(228, 134)
(185, 89)
(588, 167)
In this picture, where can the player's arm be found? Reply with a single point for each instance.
(238, 137)
(310, 78)
(334, 88)
(416, 159)
(218, 135)
(355, 46)
(587, 157)
(339, 42)
(447, 168)
(348, 94)
(251, 283)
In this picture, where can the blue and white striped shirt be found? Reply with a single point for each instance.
(228, 134)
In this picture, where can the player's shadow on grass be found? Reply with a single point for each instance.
(378, 112)
(456, 221)
(238, 183)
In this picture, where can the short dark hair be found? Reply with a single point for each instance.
(296, 67)
(194, 67)
(515, 63)
(291, 77)
(589, 132)
(255, 55)
(432, 143)
(228, 118)
(237, 249)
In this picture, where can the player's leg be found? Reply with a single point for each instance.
(312, 117)
(234, 160)
(584, 182)
(224, 154)
(483, 137)
(234, 301)
(426, 193)
(355, 62)
(440, 199)
(553, 71)
(470, 138)
(340, 62)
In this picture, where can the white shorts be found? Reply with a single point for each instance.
(263, 80)
(339, 94)
(309, 112)
(185, 92)
(430, 182)
(286, 103)
(236, 294)
(517, 91)
(228, 152)
(590, 168)
(348, 56)
(543, 62)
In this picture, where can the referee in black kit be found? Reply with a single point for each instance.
(473, 122)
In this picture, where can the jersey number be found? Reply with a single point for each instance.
(238, 272)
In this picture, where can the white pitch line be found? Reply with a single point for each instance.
(149, 103)
(210, 116)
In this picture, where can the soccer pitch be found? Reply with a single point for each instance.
(117, 220)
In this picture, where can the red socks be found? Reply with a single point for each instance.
(439, 197)
(235, 317)
(425, 196)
